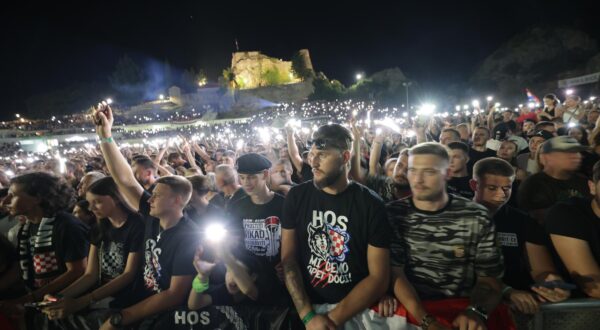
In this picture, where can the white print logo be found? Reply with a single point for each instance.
(151, 266)
(328, 243)
(192, 317)
(263, 236)
(508, 239)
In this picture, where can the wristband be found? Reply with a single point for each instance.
(506, 290)
(107, 140)
(309, 316)
(478, 311)
(199, 286)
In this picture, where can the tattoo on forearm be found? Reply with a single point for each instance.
(294, 284)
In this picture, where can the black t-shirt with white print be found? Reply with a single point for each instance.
(333, 233)
(116, 245)
(259, 226)
(168, 252)
(460, 186)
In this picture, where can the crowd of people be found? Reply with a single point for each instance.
(345, 211)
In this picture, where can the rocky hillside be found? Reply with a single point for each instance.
(537, 59)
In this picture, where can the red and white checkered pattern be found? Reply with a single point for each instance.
(45, 262)
(337, 243)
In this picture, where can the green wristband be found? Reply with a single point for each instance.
(309, 316)
(199, 286)
(107, 140)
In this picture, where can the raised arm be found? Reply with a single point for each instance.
(295, 157)
(355, 170)
(117, 164)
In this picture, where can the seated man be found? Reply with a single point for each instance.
(574, 228)
(443, 246)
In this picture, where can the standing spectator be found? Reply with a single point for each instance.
(558, 181)
(461, 259)
(169, 238)
(458, 184)
(335, 238)
(53, 245)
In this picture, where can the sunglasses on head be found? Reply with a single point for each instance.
(322, 143)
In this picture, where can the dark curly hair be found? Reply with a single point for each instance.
(55, 193)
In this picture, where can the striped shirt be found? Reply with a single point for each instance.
(443, 252)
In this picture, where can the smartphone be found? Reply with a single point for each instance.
(39, 305)
(556, 285)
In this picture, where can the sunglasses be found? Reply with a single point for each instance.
(323, 143)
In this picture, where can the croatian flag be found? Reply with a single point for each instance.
(531, 97)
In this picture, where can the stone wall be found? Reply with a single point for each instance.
(250, 69)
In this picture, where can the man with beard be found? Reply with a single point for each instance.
(144, 171)
(388, 188)
(335, 238)
(443, 246)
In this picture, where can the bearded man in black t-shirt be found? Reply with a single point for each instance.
(335, 243)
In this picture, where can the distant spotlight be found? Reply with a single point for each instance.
(475, 103)
(18, 115)
(490, 98)
(592, 98)
(426, 109)
(457, 108)
(359, 76)
(497, 105)
(569, 91)
(161, 97)
(465, 107)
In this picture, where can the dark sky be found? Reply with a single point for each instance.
(50, 46)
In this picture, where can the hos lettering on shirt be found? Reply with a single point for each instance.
(260, 226)
(167, 253)
(333, 233)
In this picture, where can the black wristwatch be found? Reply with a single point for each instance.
(116, 319)
(426, 321)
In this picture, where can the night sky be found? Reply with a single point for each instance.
(50, 46)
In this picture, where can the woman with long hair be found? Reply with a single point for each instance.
(551, 104)
(115, 256)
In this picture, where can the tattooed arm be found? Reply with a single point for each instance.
(295, 285)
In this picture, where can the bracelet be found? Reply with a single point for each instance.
(505, 290)
(478, 312)
(107, 140)
(426, 321)
(309, 316)
(199, 286)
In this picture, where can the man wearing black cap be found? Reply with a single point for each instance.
(258, 214)
(558, 181)
(335, 239)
